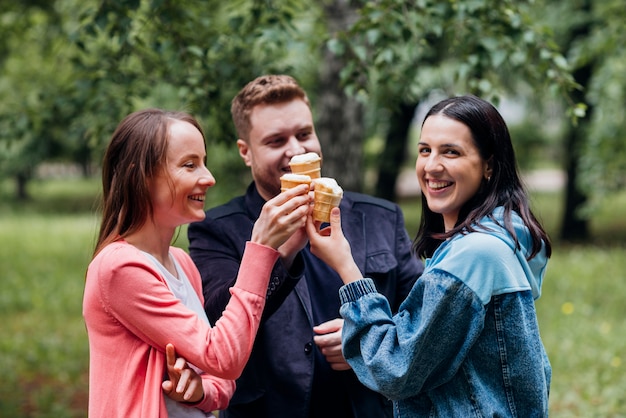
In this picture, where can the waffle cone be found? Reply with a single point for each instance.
(311, 169)
(324, 202)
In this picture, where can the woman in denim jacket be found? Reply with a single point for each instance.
(465, 342)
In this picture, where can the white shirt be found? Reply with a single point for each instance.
(182, 289)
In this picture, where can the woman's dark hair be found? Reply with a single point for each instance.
(136, 153)
(491, 136)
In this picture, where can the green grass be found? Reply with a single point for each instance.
(47, 243)
(43, 347)
(582, 316)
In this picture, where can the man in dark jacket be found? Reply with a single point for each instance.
(296, 369)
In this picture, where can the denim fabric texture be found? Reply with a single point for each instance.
(458, 346)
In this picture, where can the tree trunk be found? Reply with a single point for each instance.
(339, 121)
(393, 155)
(21, 181)
(575, 227)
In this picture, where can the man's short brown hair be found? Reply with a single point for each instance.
(266, 89)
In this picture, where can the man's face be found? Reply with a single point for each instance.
(278, 132)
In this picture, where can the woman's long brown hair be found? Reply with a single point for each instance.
(136, 152)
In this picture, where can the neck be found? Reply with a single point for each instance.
(154, 241)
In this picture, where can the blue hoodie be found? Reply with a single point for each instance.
(465, 342)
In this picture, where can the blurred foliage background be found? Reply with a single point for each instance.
(70, 70)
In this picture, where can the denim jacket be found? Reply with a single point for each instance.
(465, 342)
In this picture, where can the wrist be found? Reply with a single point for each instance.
(350, 272)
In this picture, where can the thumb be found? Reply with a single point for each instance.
(335, 221)
(167, 386)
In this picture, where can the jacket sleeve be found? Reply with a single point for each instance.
(216, 246)
(217, 393)
(421, 346)
(133, 294)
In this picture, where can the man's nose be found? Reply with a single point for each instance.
(294, 147)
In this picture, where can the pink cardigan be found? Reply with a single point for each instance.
(131, 315)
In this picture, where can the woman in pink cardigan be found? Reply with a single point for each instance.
(142, 294)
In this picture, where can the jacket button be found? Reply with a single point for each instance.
(308, 347)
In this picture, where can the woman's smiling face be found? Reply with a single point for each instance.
(449, 166)
(180, 186)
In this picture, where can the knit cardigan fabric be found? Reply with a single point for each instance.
(131, 315)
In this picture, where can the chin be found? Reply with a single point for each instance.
(198, 217)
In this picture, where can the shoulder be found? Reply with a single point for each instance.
(486, 249)
(484, 262)
(111, 269)
(117, 254)
(364, 201)
(483, 244)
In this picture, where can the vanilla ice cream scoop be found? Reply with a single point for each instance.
(308, 164)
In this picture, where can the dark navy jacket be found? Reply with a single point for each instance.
(278, 379)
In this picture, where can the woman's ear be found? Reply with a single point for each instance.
(488, 169)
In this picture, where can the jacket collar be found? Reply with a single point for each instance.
(254, 201)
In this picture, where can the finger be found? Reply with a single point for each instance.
(288, 194)
(193, 385)
(340, 367)
(167, 386)
(335, 358)
(183, 381)
(310, 226)
(181, 363)
(170, 354)
(285, 212)
(328, 340)
(329, 326)
(301, 204)
(313, 226)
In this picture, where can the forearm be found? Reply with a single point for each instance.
(217, 393)
(349, 271)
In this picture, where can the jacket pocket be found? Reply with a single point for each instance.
(382, 262)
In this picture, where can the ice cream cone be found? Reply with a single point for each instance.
(328, 195)
(308, 164)
(287, 181)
